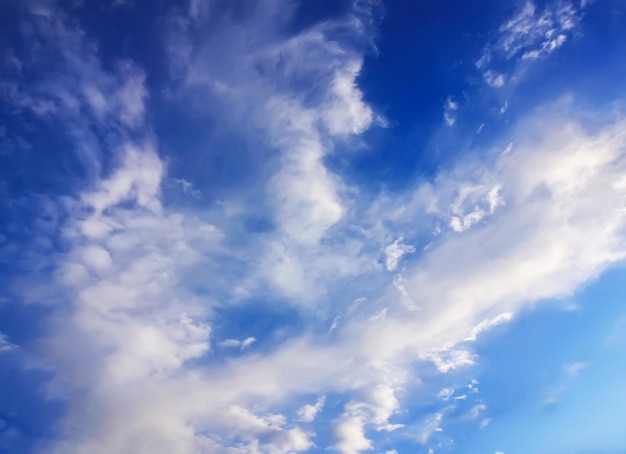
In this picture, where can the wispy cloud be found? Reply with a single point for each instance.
(534, 32)
(241, 344)
(395, 251)
(5, 344)
(428, 427)
(572, 372)
(449, 111)
(308, 412)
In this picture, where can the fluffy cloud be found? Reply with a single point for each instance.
(308, 412)
(350, 435)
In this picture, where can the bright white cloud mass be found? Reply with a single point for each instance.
(196, 265)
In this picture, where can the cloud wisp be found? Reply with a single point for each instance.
(534, 33)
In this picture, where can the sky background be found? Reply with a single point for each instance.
(263, 226)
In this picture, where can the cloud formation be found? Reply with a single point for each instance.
(535, 32)
(139, 287)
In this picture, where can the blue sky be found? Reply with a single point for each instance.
(272, 226)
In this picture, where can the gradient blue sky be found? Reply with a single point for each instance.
(272, 226)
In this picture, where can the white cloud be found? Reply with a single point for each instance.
(230, 343)
(143, 282)
(448, 358)
(308, 412)
(5, 343)
(305, 197)
(96, 257)
(567, 175)
(494, 79)
(476, 411)
(346, 113)
(541, 31)
(187, 187)
(247, 342)
(574, 369)
(384, 405)
(449, 111)
(379, 403)
(578, 170)
(429, 426)
(531, 34)
(445, 394)
(138, 179)
(377, 406)
(135, 325)
(241, 344)
(350, 436)
(490, 323)
(482, 202)
(395, 251)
